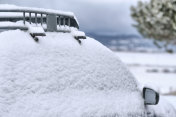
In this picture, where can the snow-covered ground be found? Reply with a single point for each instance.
(157, 70)
(154, 69)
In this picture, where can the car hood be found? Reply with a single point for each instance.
(163, 109)
(78, 104)
(59, 77)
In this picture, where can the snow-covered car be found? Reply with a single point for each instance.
(63, 75)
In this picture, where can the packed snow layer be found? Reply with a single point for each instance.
(6, 24)
(36, 29)
(76, 33)
(17, 15)
(17, 8)
(58, 77)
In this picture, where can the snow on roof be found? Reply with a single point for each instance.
(16, 15)
(78, 33)
(35, 29)
(6, 7)
(7, 23)
(58, 77)
(17, 8)
(13, 15)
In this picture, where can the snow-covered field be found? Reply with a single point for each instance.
(154, 69)
(157, 70)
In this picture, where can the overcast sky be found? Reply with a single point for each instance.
(99, 16)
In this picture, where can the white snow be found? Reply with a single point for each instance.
(163, 109)
(6, 24)
(9, 7)
(151, 69)
(9, 14)
(17, 15)
(171, 99)
(164, 82)
(35, 29)
(58, 77)
(76, 33)
(13, 7)
(157, 59)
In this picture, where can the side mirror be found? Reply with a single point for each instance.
(150, 96)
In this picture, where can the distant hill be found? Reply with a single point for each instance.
(122, 42)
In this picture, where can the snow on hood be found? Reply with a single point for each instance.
(58, 77)
(163, 109)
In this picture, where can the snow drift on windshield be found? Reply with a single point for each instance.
(58, 77)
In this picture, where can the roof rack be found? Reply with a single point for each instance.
(50, 20)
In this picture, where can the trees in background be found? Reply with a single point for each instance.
(156, 19)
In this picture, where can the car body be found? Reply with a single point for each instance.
(57, 76)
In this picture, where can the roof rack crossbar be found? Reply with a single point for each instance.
(30, 17)
(39, 17)
(24, 17)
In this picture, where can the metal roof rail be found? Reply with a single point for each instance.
(50, 20)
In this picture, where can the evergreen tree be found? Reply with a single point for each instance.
(156, 19)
